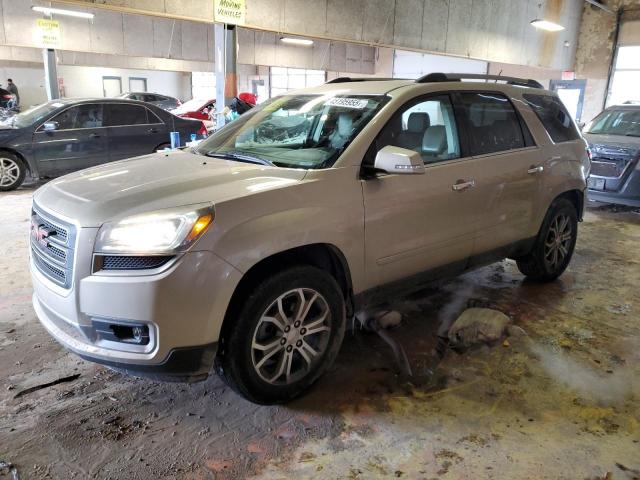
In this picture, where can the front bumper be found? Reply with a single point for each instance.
(183, 307)
(611, 197)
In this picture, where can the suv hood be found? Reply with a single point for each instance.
(153, 182)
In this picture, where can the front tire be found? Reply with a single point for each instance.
(12, 171)
(554, 245)
(287, 333)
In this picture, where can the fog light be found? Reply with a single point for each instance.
(137, 334)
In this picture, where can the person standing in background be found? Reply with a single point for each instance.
(13, 89)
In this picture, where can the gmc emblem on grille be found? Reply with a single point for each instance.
(40, 233)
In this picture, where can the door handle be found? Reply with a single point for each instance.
(94, 135)
(461, 185)
(152, 130)
(533, 169)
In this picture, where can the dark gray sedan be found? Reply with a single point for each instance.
(614, 142)
(63, 136)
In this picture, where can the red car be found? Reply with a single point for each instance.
(196, 108)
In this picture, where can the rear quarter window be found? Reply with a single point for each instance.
(554, 117)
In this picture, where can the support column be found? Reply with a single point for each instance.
(226, 60)
(50, 73)
(231, 61)
(219, 65)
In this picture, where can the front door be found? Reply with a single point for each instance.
(416, 223)
(133, 130)
(78, 141)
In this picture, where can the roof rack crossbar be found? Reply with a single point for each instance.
(458, 77)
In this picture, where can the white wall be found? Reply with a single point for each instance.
(30, 82)
(413, 65)
(87, 81)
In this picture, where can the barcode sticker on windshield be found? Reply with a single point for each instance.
(347, 103)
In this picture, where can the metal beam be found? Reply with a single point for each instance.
(595, 3)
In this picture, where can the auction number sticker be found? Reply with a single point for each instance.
(347, 102)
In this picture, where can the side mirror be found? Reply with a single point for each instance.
(50, 126)
(392, 159)
(581, 126)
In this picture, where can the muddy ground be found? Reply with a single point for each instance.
(561, 402)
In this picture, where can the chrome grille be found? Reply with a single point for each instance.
(52, 244)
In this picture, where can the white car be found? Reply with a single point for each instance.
(252, 250)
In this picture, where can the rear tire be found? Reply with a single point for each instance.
(286, 334)
(12, 171)
(554, 245)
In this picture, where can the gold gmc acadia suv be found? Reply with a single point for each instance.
(248, 253)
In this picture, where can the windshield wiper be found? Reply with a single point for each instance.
(239, 158)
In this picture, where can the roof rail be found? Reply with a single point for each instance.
(458, 77)
(369, 79)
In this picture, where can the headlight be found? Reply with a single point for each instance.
(162, 232)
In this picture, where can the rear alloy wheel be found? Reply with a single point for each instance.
(12, 172)
(286, 334)
(554, 245)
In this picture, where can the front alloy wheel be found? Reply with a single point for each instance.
(291, 336)
(283, 335)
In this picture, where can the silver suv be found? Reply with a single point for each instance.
(251, 251)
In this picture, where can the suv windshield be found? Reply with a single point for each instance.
(35, 114)
(616, 122)
(297, 131)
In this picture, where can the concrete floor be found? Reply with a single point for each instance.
(563, 402)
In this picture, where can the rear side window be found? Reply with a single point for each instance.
(121, 114)
(554, 117)
(493, 124)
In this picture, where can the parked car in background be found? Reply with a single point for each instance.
(62, 136)
(162, 101)
(5, 98)
(196, 108)
(614, 142)
(252, 251)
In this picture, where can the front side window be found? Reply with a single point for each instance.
(427, 127)
(298, 131)
(554, 117)
(493, 124)
(616, 122)
(119, 114)
(81, 116)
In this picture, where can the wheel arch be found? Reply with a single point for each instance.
(325, 256)
(576, 197)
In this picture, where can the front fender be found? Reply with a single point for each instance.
(325, 208)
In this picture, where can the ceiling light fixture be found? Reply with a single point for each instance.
(297, 41)
(59, 11)
(546, 25)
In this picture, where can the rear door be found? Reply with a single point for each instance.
(509, 169)
(79, 141)
(133, 130)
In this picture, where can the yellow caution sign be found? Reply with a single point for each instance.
(48, 32)
(229, 11)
